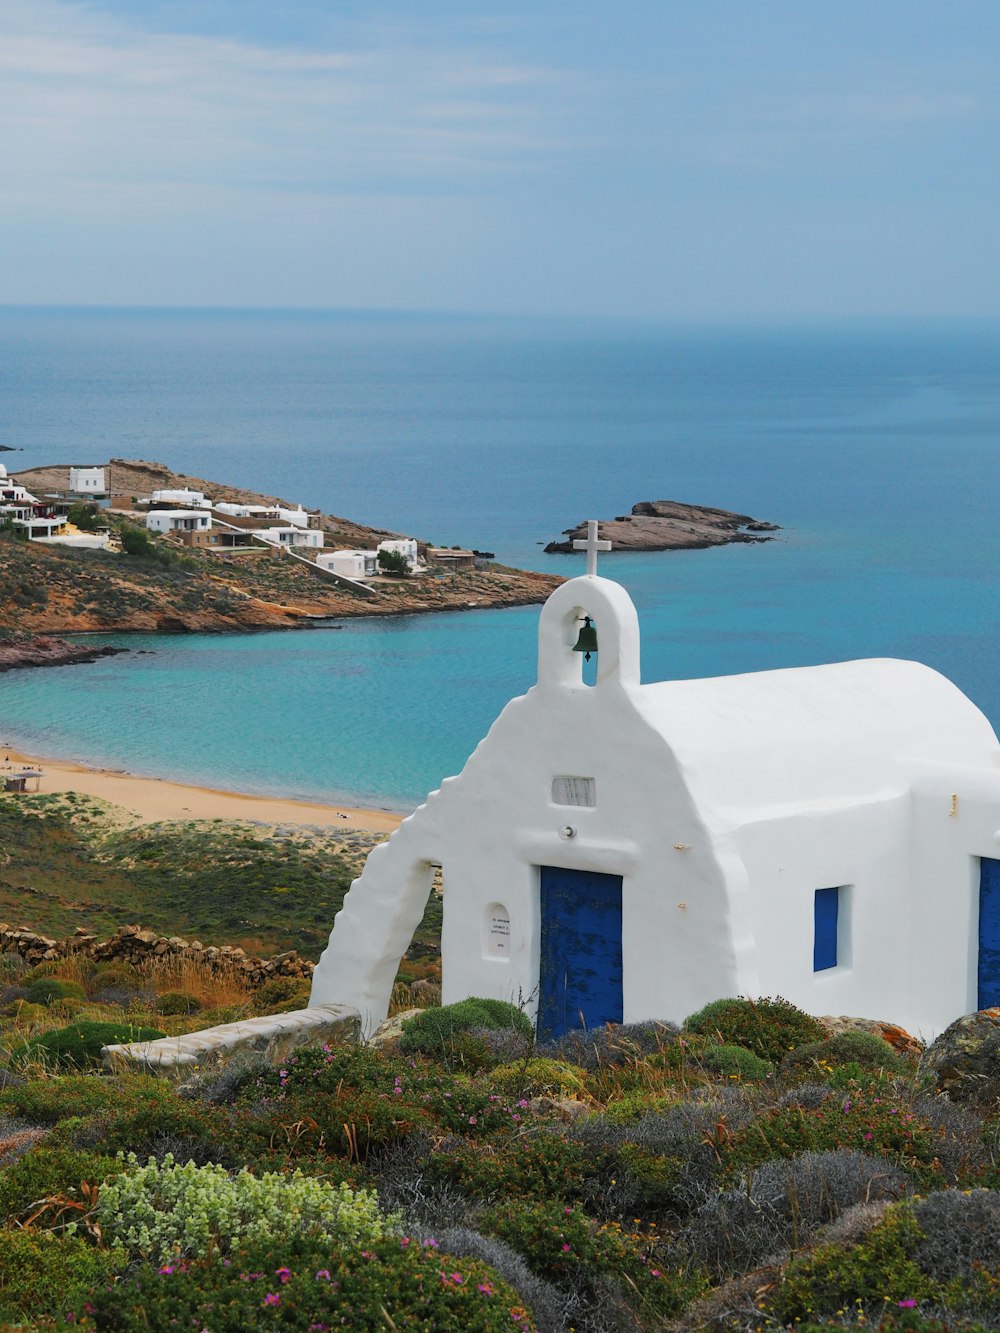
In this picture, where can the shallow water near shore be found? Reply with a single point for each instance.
(877, 450)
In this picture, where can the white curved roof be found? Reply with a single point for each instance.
(841, 731)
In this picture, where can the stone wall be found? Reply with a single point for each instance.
(133, 945)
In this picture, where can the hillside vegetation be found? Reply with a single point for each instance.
(747, 1173)
(67, 860)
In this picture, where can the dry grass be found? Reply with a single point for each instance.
(77, 967)
(214, 987)
(401, 999)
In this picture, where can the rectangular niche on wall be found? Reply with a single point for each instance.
(574, 791)
(496, 931)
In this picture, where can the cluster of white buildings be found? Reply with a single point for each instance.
(189, 515)
(225, 525)
(47, 519)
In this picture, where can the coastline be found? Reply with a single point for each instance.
(152, 800)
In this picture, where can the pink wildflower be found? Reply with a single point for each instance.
(272, 1298)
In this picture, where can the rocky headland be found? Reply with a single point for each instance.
(43, 650)
(669, 525)
(54, 590)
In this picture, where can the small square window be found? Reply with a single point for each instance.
(826, 915)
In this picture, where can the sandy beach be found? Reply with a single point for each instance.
(155, 799)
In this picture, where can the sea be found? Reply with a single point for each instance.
(876, 447)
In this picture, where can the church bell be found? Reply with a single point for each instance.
(587, 642)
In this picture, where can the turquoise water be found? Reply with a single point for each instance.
(878, 450)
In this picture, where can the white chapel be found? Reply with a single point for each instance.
(618, 851)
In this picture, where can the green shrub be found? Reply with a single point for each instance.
(769, 1028)
(165, 1211)
(433, 1032)
(400, 1283)
(538, 1078)
(46, 1275)
(862, 1120)
(540, 1166)
(48, 989)
(154, 1126)
(879, 1272)
(46, 1101)
(863, 1049)
(282, 993)
(559, 1242)
(79, 1045)
(633, 1106)
(47, 1171)
(735, 1062)
(177, 1002)
(114, 976)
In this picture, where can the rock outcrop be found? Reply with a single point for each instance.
(42, 651)
(965, 1059)
(669, 525)
(898, 1038)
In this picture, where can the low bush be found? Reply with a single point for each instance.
(224, 1085)
(49, 1100)
(437, 1032)
(561, 1244)
(536, 1166)
(79, 1045)
(166, 1211)
(46, 1172)
(177, 1002)
(401, 1283)
(960, 1229)
(118, 976)
(781, 1205)
(769, 1028)
(42, 1275)
(281, 994)
(611, 1045)
(189, 1130)
(537, 1078)
(552, 1309)
(735, 1062)
(863, 1049)
(862, 1120)
(46, 990)
(874, 1276)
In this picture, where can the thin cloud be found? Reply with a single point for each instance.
(104, 101)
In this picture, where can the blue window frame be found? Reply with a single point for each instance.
(826, 912)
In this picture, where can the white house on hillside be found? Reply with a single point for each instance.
(178, 520)
(297, 518)
(404, 546)
(621, 851)
(86, 480)
(312, 538)
(184, 499)
(351, 564)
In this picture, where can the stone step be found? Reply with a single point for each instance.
(275, 1035)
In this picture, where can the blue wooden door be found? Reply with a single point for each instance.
(580, 978)
(989, 933)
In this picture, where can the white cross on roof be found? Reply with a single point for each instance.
(592, 545)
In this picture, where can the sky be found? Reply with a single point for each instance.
(677, 160)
